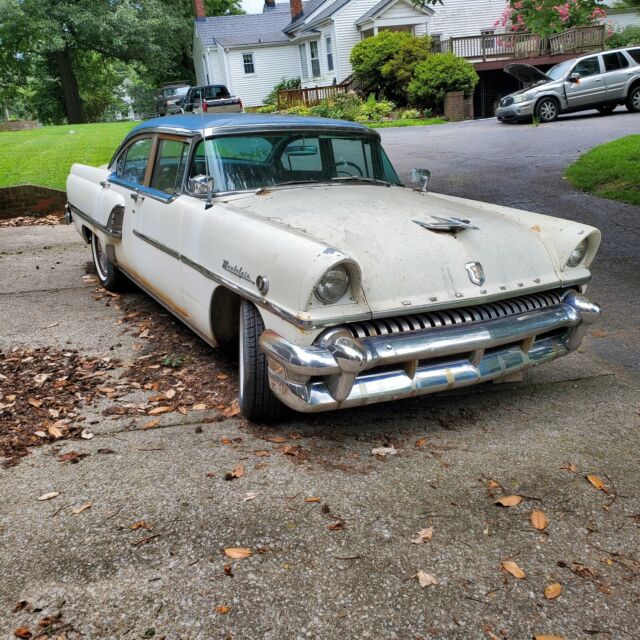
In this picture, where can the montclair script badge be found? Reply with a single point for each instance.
(476, 273)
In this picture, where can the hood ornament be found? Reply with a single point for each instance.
(475, 272)
(446, 224)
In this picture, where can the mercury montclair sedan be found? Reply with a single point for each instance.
(295, 239)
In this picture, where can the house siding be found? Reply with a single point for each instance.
(619, 20)
(271, 64)
(198, 59)
(326, 77)
(465, 17)
(216, 67)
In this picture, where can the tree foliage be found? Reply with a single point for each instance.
(384, 63)
(438, 74)
(628, 36)
(52, 41)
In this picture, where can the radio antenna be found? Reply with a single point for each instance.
(209, 202)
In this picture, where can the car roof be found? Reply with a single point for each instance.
(595, 53)
(212, 124)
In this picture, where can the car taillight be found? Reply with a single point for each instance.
(205, 106)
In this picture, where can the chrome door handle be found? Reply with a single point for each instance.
(136, 196)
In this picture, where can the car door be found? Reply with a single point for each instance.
(617, 72)
(589, 88)
(157, 221)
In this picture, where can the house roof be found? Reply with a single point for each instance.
(328, 12)
(307, 9)
(377, 8)
(248, 29)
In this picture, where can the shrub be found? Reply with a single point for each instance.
(283, 85)
(410, 114)
(438, 74)
(398, 71)
(345, 106)
(299, 110)
(267, 108)
(374, 110)
(628, 36)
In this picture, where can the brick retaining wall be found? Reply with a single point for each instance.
(19, 125)
(457, 107)
(29, 198)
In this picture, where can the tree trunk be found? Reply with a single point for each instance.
(72, 103)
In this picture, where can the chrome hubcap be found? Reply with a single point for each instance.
(102, 262)
(547, 110)
(636, 100)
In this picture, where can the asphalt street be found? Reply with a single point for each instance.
(329, 524)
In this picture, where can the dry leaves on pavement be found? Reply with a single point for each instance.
(238, 472)
(49, 496)
(384, 451)
(424, 535)
(509, 501)
(425, 579)
(597, 482)
(553, 591)
(539, 520)
(512, 567)
(238, 553)
(223, 609)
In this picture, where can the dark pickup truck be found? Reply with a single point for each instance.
(214, 98)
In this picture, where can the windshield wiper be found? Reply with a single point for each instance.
(361, 179)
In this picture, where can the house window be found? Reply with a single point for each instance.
(247, 61)
(329, 54)
(367, 33)
(436, 42)
(315, 60)
(303, 60)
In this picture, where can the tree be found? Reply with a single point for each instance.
(398, 71)
(438, 74)
(53, 37)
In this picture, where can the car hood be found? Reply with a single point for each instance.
(404, 265)
(526, 73)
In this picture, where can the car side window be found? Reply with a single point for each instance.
(635, 54)
(614, 61)
(587, 67)
(169, 166)
(132, 165)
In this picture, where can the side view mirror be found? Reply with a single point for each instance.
(421, 177)
(574, 77)
(200, 185)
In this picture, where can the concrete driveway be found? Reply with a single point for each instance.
(330, 525)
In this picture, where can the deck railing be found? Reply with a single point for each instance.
(309, 96)
(578, 40)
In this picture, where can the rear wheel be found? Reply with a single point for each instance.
(606, 109)
(633, 99)
(111, 278)
(256, 399)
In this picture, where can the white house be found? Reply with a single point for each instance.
(251, 53)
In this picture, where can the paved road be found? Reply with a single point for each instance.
(305, 579)
(523, 166)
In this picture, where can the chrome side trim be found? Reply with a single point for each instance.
(336, 371)
(114, 234)
(158, 245)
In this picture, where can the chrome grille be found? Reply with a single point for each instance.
(461, 315)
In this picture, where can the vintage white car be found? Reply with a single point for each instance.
(294, 237)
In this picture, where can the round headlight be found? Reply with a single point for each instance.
(333, 285)
(578, 254)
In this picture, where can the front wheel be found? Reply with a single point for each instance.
(110, 276)
(547, 110)
(633, 99)
(256, 399)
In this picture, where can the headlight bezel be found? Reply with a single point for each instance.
(578, 254)
(336, 277)
(522, 97)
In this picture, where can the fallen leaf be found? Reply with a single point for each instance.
(251, 495)
(547, 636)
(420, 442)
(509, 501)
(72, 456)
(262, 454)
(40, 378)
(569, 466)
(48, 496)
(144, 540)
(513, 568)
(424, 535)
(40, 434)
(312, 499)
(232, 410)
(182, 411)
(81, 508)
(539, 520)
(170, 393)
(492, 484)
(86, 434)
(296, 451)
(222, 376)
(238, 553)
(22, 632)
(553, 591)
(141, 524)
(156, 411)
(226, 441)
(222, 609)
(106, 451)
(228, 571)
(54, 431)
(597, 482)
(425, 579)
(152, 424)
(338, 525)
(35, 402)
(201, 406)
(238, 472)
(384, 451)
(275, 439)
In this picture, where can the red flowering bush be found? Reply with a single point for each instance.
(544, 17)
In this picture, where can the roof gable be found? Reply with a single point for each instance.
(382, 6)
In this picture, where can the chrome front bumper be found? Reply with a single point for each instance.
(341, 371)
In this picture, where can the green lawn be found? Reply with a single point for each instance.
(44, 156)
(401, 122)
(610, 170)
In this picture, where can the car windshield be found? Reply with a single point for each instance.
(175, 91)
(557, 71)
(261, 160)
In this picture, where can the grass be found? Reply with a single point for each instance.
(402, 122)
(610, 170)
(44, 156)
